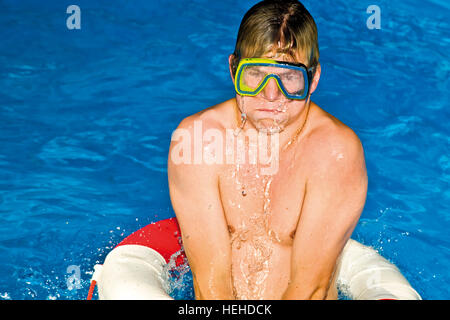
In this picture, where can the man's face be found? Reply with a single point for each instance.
(271, 111)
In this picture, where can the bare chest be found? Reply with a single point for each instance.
(262, 206)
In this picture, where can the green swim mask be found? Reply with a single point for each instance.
(253, 74)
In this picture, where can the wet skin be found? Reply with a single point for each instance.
(249, 235)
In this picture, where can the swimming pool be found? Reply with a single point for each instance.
(87, 117)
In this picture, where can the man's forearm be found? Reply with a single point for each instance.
(295, 292)
(214, 290)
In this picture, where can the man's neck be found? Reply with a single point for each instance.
(288, 136)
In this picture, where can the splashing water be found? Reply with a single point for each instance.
(178, 279)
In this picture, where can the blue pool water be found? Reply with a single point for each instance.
(86, 118)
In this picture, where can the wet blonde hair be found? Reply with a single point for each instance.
(277, 28)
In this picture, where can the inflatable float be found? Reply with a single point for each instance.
(135, 269)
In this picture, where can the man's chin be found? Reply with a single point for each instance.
(269, 131)
(269, 127)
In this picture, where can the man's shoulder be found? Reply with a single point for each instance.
(214, 117)
(332, 141)
(193, 147)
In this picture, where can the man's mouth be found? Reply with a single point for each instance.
(274, 111)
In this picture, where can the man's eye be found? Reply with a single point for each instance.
(291, 77)
(288, 77)
(255, 73)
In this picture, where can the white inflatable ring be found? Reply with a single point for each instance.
(135, 269)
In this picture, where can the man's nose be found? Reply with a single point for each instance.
(271, 90)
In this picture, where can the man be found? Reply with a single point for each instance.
(278, 234)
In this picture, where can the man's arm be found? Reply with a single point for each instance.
(334, 199)
(194, 192)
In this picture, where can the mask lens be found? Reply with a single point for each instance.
(253, 76)
(292, 79)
